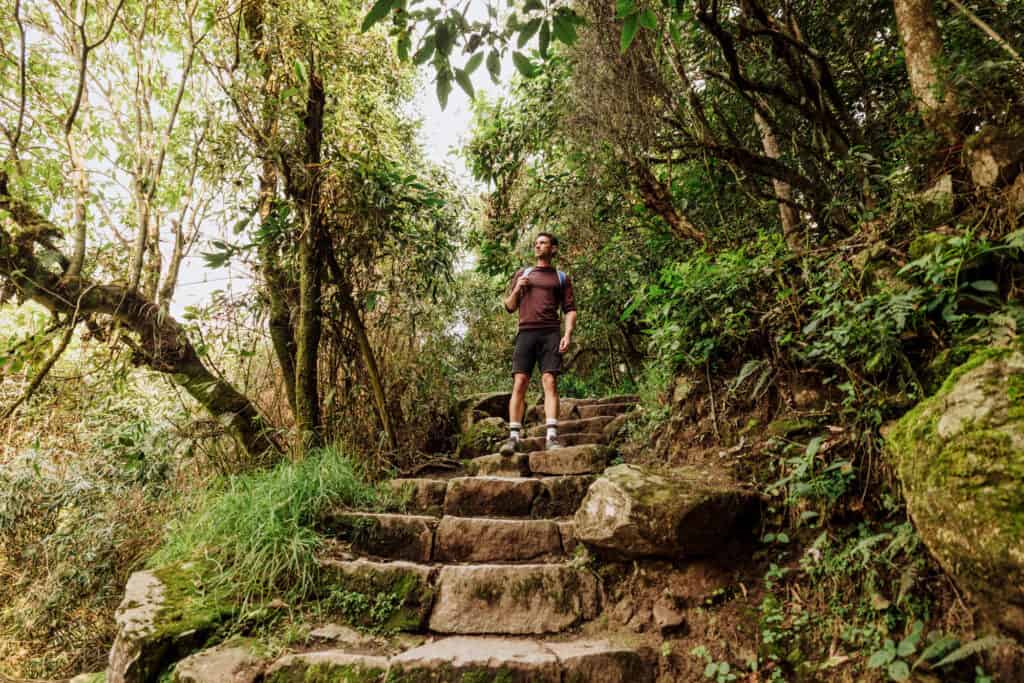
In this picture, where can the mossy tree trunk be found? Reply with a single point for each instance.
(162, 345)
(922, 48)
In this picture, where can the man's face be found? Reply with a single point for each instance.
(542, 247)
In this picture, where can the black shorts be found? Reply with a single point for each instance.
(537, 345)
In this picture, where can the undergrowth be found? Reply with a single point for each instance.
(258, 529)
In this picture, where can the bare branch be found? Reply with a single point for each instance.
(988, 30)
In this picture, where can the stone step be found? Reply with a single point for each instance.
(425, 539)
(585, 459)
(513, 599)
(473, 599)
(569, 408)
(539, 443)
(604, 409)
(419, 495)
(459, 659)
(589, 459)
(590, 425)
(394, 536)
(477, 539)
(491, 496)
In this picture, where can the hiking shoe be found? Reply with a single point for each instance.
(552, 444)
(509, 447)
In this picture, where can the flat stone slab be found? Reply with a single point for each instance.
(539, 443)
(406, 586)
(573, 460)
(236, 661)
(479, 539)
(598, 661)
(513, 599)
(593, 425)
(490, 496)
(424, 496)
(460, 659)
(560, 496)
(498, 465)
(327, 665)
(394, 536)
(604, 409)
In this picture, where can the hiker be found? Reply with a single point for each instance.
(537, 293)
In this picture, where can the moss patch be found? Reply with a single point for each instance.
(959, 456)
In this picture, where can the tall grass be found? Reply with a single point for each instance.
(255, 532)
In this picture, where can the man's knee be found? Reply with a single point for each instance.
(519, 382)
(549, 380)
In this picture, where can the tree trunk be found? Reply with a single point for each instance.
(658, 200)
(922, 48)
(787, 213)
(163, 342)
(307, 398)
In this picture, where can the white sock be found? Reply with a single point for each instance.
(552, 428)
(514, 429)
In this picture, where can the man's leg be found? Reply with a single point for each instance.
(516, 410)
(550, 382)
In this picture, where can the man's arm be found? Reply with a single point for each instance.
(570, 324)
(512, 300)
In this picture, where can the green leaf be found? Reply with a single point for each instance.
(545, 39)
(379, 10)
(985, 286)
(494, 65)
(462, 78)
(444, 39)
(425, 52)
(528, 32)
(444, 89)
(649, 19)
(404, 45)
(629, 28)
(937, 649)
(474, 62)
(523, 64)
(899, 671)
(880, 659)
(677, 36)
(971, 648)
(564, 29)
(623, 8)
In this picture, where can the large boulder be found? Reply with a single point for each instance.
(635, 511)
(994, 156)
(481, 406)
(960, 458)
(160, 620)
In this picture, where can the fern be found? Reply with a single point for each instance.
(971, 648)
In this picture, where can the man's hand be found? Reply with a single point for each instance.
(521, 284)
(563, 345)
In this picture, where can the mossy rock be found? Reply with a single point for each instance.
(397, 595)
(162, 619)
(481, 437)
(330, 666)
(786, 427)
(960, 458)
(634, 511)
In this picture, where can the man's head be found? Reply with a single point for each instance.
(545, 246)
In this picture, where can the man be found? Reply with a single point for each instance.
(538, 293)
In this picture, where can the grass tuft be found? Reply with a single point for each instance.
(257, 529)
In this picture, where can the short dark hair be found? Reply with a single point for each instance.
(552, 238)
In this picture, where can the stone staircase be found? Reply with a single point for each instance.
(478, 563)
(488, 552)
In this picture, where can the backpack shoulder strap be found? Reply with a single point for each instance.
(561, 279)
(527, 271)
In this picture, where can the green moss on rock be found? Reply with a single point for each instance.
(960, 458)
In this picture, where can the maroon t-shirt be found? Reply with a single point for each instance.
(540, 300)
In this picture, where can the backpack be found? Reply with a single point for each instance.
(561, 279)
